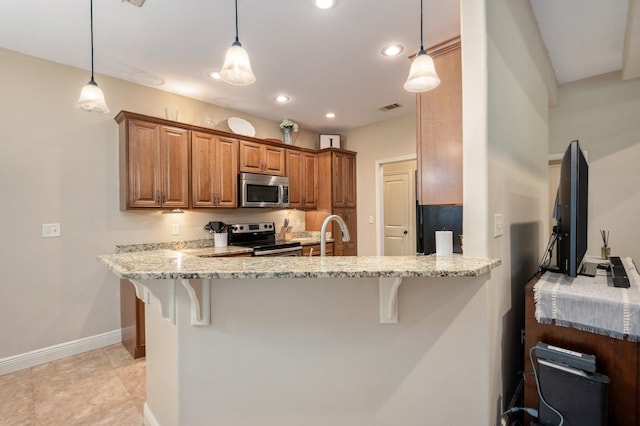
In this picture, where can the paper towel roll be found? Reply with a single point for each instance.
(444, 243)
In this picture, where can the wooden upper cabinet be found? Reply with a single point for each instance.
(261, 158)
(174, 156)
(214, 170)
(157, 166)
(344, 180)
(302, 170)
(439, 121)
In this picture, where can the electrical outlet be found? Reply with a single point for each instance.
(370, 219)
(498, 225)
(175, 229)
(50, 230)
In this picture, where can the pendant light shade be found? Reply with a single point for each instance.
(422, 74)
(91, 97)
(236, 69)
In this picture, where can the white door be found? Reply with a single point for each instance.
(399, 213)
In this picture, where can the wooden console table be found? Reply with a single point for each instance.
(618, 359)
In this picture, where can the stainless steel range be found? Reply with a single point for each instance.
(261, 236)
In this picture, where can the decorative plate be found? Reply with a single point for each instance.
(241, 126)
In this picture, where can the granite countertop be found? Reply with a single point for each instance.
(171, 264)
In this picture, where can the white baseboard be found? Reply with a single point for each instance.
(149, 418)
(62, 350)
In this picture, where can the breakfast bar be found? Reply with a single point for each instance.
(362, 340)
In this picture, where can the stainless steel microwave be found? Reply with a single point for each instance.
(256, 190)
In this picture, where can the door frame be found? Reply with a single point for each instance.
(380, 199)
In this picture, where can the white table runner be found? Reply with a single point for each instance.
(591, 304)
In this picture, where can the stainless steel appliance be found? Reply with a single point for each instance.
(256, 190)
(261, 236)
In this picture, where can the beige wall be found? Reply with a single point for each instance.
(505, 152)
(59, 164)
(602, 113)
(382, 141)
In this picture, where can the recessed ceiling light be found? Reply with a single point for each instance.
(325, 4)
(282, 98)
(214, 75)
(330, 115)
(392, 50)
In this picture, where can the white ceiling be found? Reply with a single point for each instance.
(584, 38)
(324, 60)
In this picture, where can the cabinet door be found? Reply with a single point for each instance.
(310, 181)
(337, 179)
(260, 158)
(251, 160)
(348, 248)
(296, 181)
(143, 156)
(203, 170)
(227, 172)
(439, 145)
(214, 171)
(274, 162)
(344, 180)
(349, 180)
(174, 150)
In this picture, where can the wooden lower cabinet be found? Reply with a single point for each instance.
(314, 249)
(132, 320)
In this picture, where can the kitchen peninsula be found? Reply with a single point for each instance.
(313, 341)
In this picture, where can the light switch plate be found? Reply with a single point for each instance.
(50, 230)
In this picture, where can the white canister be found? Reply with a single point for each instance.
(444, 243)
(220, 239)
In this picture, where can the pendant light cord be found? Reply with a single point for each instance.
(421, 36)
(91, 13)
(238, 41)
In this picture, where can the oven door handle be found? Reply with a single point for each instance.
(276, 251)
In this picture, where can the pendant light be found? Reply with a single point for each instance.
(236, 69)
(91, 97)
(422, 75)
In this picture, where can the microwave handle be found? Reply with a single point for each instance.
(283, 198)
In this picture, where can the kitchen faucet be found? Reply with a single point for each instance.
(323, 232)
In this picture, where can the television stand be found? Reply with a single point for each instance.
(616, 358)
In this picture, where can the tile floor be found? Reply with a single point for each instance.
(101, 387)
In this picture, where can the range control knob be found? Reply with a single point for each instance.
(241, 227)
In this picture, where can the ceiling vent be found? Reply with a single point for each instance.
(389, 107)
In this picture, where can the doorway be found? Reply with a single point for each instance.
(396, 181)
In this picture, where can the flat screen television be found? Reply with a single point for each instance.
(571, 210)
